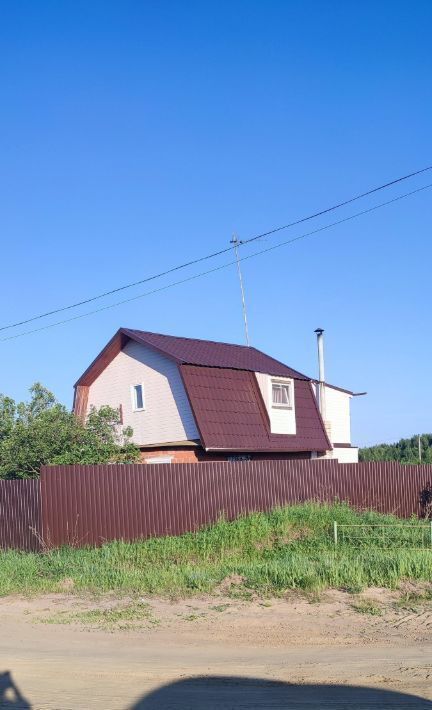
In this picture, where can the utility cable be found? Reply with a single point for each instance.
(214, 254)
(220, 267)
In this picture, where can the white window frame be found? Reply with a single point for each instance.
(282, 383)
(133, 397)
(159, 459)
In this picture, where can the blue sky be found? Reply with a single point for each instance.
(138, 135)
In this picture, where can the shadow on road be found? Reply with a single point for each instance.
(231, 692)
(10, 695)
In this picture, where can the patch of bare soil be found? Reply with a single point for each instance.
(67, 651)
(335, 618)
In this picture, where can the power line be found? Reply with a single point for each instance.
(214, 254)
(341, 204)
(220, 267)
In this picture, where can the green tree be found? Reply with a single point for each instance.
(42, 431)
(404, 451)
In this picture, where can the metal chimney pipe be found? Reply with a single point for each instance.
(320, 343)
(321, 383)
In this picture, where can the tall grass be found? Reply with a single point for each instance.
(268, 553)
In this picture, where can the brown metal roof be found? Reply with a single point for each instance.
(213, 354)
(231, 414)
(224, 393)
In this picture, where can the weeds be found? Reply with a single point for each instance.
(367, 606)
(192, 617)
(117, 617)
(411, 601)
(265, 554)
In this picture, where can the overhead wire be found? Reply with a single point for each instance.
(215, 254)
(221, 266)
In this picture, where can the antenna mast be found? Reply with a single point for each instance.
(235, 242)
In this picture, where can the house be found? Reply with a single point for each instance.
(191, 400)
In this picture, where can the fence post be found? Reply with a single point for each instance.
(335, 532)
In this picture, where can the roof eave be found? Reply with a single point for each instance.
(245, 450)
(85, 378)
(143, 341)
(335, 387)
(82, 379)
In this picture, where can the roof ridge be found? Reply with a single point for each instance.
(167, 348)
(202, 340)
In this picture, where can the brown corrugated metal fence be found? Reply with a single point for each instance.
(20, 515)
(86, 505)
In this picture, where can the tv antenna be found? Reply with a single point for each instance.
(235, 241)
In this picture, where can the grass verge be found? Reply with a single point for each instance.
(120, 616)
(367, 606)
(265, 553)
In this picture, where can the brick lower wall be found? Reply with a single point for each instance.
(184, 455)
(197, 454)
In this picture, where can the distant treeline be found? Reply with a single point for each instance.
(405, 451)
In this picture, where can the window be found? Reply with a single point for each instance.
(160, 459)
(138, 398)
(281, 394)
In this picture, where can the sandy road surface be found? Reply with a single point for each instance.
(226, 655)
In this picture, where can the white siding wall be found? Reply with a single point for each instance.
(346, 455)
(338, 415)
(338, 424)
(282, 421)
(167, 416)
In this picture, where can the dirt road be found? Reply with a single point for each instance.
(207, 655)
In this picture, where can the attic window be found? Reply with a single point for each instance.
(137, 398)
(281, 395)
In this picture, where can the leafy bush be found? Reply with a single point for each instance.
(42, 431)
